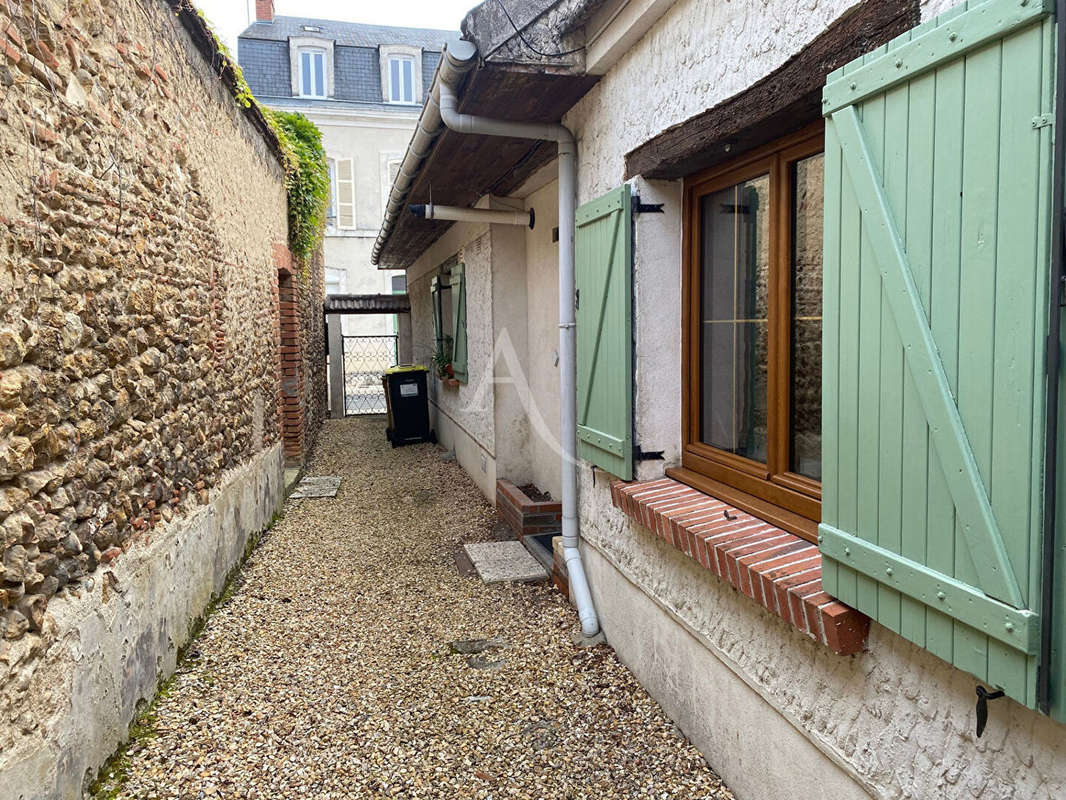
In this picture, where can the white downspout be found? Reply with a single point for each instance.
(462, 53)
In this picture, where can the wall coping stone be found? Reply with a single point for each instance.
(775, 568)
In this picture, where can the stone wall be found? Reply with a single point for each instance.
(140, 208)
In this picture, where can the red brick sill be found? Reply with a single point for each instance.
(778, 570)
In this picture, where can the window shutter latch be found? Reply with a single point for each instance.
(639, 454)
(646, 208)
(983, 696)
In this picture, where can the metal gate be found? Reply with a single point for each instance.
(365, 360)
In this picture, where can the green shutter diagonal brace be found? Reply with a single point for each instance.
(976, 518)
(459, 348)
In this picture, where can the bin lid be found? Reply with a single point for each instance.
(405, 368)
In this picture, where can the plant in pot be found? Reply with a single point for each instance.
(442, 360)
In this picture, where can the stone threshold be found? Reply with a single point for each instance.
(775, 568)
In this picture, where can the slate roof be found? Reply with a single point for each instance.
(263, 52)
(351, 34)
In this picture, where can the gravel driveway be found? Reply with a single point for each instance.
(329, 672)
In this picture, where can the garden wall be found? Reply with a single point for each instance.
(143, 225)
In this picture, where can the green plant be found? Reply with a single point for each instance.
(307, 182)
(442, 359)
(306, 170)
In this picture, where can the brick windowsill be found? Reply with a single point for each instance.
(778, 570)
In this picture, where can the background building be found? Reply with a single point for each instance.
(363, 86)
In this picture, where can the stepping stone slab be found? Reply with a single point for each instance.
(496, 562)
(323, 486)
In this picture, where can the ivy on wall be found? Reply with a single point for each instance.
(307, 182)
(300, 141)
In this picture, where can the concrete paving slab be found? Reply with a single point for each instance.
(319, 486)
(496, 562)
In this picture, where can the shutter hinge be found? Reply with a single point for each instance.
(650, 455)
(646, 208)
(1043, 121)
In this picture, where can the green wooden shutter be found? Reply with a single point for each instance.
(937, 214)
(459, 322)
(434, 293)
(604, 266)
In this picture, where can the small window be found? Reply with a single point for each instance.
(753, 345)
(401, 79)
(399, 284)
(334, 281)
(312, 72)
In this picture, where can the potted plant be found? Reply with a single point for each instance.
(442, 363)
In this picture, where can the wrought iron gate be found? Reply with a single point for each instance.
(365, 360)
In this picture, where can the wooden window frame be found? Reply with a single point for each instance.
(768, 490)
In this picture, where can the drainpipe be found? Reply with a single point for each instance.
(461, 54)
(460, 214)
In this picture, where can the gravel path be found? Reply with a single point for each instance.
(329, 672)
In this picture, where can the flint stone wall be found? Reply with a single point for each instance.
(140, 208)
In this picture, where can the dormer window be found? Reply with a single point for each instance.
(312, 72)
(401, 79)
(401, 74)
(311, 65)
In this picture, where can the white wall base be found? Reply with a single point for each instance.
(75, 688)
(758, 753)
(475, 458)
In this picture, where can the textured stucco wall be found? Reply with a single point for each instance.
(895, 721)
(511, 351)
(696, 56)
(463, 416)
(542, 290)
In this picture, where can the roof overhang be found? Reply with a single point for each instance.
(367, 304)
(462, 168)
(513, 82)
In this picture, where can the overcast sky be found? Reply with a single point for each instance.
(230, 17)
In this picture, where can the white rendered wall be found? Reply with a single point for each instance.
(463, 416)
(892, 722)
(542, 290)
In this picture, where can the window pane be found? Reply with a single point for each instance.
(806, 380)
(408, 91)
(735, 271)
(320, 79)
(305, 73)
(394, 82)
